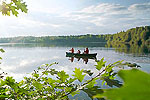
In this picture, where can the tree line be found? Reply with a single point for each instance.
(135, 40)
(55, 39)
(135, 36)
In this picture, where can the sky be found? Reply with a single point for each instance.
(76, 17)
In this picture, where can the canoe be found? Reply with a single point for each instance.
(93, 55)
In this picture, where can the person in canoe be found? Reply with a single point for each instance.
(86, 51)
(72, 50)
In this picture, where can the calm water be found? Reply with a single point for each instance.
(20, 60)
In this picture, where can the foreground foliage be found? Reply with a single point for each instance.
(12, 6)
(48, 83)
(136, 86)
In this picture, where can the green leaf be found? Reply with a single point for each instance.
(22, 6)
(74, 93)
(21, 83)
(14, 6)
(62, 76)
(35, 75)
(1, 50)
(88, 72)
(78, 74)
(14, 11)
(109, 68)
(71, 80)
(100, 64)
(13, 0)
(136, 86)
(2, 83)
(92, 83)
(3, 96)
(51, 82)
(112, 82)
(118, 62)
(53, 71)
(38, 85)
(10, 79)
(93, 91)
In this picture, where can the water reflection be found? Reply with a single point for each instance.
(56, 44)
(85, 59)
(19, 60)
(137, 50)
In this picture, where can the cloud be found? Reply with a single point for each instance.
(140, 7)
(113, 16)
(104, 8)
(96, 18)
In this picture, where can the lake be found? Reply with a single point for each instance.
(18, 60)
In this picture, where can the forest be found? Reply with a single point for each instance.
(135, 40)
(55, 39)
(135, 36)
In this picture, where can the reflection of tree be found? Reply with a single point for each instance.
(135, 40)
(130, 49)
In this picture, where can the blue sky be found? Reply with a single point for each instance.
(76, 17)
